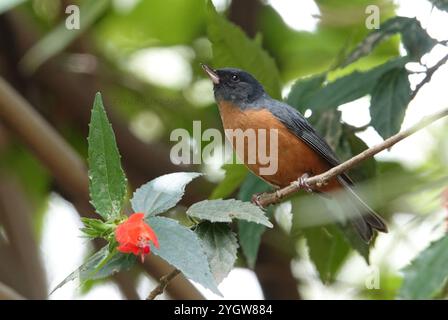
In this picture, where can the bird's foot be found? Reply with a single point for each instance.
(302, 183)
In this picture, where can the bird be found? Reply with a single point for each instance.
(244, 104)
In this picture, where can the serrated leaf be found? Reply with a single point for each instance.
(235, 175)
(61, 37)
(182, 248)
(162, 193)
(427, 273)
(249, 233)
(220, 245)
(390, 98)
(351, 87)
(227, 210)
(107, 182)
(327, 249)
(100, 265)
(232, 48)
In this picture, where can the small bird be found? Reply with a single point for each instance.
(244, 104)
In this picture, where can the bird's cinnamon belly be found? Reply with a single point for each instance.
(294, 157)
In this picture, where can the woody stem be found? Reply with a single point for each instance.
(163, 283)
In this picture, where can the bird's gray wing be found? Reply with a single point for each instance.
(299, 126)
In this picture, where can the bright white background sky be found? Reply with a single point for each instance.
(63, 250)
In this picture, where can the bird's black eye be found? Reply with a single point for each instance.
(235, 78)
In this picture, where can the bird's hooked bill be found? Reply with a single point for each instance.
(211, 73)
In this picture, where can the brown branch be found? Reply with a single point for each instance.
(28, 277)
(244, 14)
(180, 288)
(163, 283)
(322, 179)
(48, 146)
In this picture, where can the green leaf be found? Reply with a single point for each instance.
(162, 193)
(328, 124)
(6, 5)
(250, 233)
(100, 265)
(328, 250)
(96, 228)
(225, 210)
(355, 240)
(220, 245)
(311, 211)
(352, 86)
(415, 39)
(232, 48)
(303, 89)
(107, 182)
(251, 185)
(122, 32)
(235, 175)
(61, 37)
(182, 248)
(427, 273)
(390, 98)
(440, 4)
(368, 168)
(112, 264)
(300, 53)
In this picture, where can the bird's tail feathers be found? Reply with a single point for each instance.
(365, 220)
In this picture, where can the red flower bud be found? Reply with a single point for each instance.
(134, 235)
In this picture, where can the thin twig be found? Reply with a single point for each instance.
(355, 129)
(266, 199)
(163, 283)
(429, 74)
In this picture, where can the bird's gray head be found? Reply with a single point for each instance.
(234, 85)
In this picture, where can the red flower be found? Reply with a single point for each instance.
(134, 235)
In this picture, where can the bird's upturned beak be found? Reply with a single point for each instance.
(211, 73)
